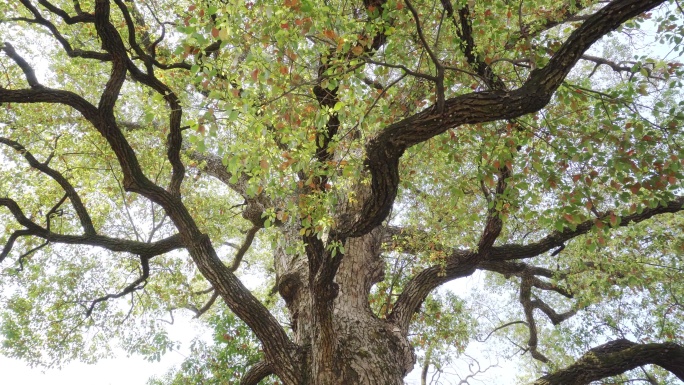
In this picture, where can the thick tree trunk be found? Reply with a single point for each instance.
(364, 348)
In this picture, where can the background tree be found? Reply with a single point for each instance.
(154, 150)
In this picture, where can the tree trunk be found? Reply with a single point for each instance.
(365, 349)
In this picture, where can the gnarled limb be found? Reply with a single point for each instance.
(277, 346)
(384, 151)
(461, 263)
(617, 357)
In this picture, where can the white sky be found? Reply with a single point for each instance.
(121, 370)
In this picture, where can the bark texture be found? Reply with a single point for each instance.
(616, 357)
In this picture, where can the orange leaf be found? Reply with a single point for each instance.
(330, 34)
(215, 32)
(255, 74)
(357, 50)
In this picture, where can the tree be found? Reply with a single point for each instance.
(371, 151)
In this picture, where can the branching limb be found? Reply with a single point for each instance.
(558, 238)
(528, 307)
(461, 263)
(245, 246)
(464, 30)
(81, 18)
(277, 345)
(386, 148)
(494, 223)
(138, 284)
(162, 246)
(256, 373)
(70, 191)
(519, 269)
(617, 357)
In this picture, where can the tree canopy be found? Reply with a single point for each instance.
(351, 157)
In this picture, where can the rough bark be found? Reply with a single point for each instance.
(617, 357)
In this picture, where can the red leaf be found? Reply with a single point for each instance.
(330, 34)
(215, 32)
(613, 220)
(255, 74)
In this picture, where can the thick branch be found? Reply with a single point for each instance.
(81, 18)
(277, 345)
(464, 30)
(461, 263)
(256, 373)
(383, 152)
(617, 357)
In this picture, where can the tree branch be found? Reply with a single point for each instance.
(81, 18)
(256, 373)
(557, 239)
(461, 263)
(384, 151)
(617, 357)
(74, 198)
(138, 284)
(243, 249)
